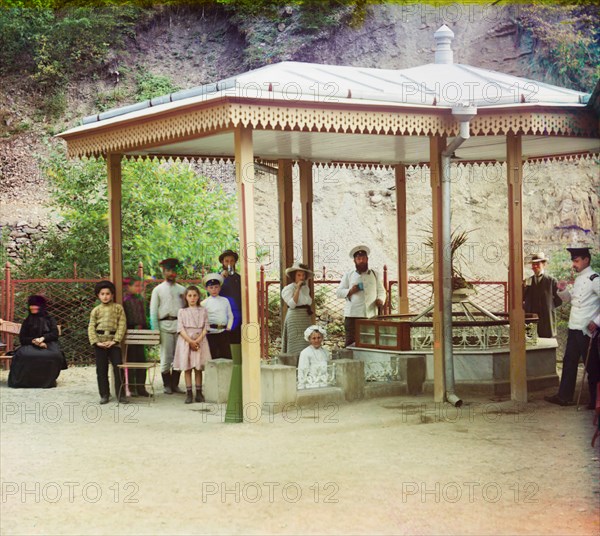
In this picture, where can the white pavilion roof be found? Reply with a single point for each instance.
(428, 89)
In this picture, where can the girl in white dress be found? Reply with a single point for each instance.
(312, 364)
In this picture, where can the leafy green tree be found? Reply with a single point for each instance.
(168, 210)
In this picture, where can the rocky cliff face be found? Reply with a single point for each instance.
(561, 199)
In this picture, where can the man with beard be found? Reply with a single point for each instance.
(363, 290)
(165, 302)
(584, 297)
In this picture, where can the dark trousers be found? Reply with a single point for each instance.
(350, 328)
(104, 356)
(577, 348)
(219, 345)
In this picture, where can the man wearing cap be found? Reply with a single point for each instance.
(232, 290)
(540, 296)
(584, 297)
(165, 302)
(363, 291)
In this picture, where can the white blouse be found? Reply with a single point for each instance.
(312, 367)
(303, 297)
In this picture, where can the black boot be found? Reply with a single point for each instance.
(166, 377)
(188, 398)
(199, 395)
(175, 381)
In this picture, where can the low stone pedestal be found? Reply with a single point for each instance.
(278, 387)
(323, 400)
(350, 377)
(217, 378)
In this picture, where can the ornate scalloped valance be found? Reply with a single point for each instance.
(139, 134)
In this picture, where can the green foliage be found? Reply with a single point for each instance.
(150, 86)
(570, 39)
(55, 46)
(168, 210)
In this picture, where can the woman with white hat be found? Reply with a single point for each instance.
(297, 297)
(312, 365)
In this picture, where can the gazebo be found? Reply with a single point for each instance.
(309, 114)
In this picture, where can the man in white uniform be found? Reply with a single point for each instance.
(165, 302)
(363, 291)
(584, 297)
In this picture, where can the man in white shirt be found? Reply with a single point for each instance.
(584, 319)
(363, 291)
(165, 302)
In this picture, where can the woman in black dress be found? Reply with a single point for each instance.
(39, 360)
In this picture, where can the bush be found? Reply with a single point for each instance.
(168, 210)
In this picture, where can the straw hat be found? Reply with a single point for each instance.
(540, 256)
(299, 267)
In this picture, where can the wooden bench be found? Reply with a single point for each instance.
(137, 337)
(8, 328)
(12, 329)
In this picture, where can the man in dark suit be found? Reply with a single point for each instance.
(540, 296)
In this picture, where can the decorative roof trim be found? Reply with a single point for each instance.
(194, 121)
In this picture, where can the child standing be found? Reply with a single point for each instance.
(105, 332)
(220, 317)
(192, 351)
(135, 315)
(312, 363)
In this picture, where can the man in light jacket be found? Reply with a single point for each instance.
(363, 291)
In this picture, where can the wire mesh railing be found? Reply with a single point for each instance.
(71, 300)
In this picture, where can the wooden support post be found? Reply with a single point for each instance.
(114, 224)
(402, 237)
(306, 200)
(244, 172)
(436, 145)
(285, 195)
(516, 313)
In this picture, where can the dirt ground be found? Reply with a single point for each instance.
(398, 465)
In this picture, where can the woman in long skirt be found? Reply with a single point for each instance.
(297, 297)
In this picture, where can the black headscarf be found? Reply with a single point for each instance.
(35, 325)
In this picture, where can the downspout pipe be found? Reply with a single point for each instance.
(463, 113)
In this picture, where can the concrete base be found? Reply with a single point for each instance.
(478, 372)
(320, 397)
(278, 387)
(383, 389)
(350, 377)
(217, 378)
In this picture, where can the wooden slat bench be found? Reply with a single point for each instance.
(8, 328)
(136, 337)
(11, 328)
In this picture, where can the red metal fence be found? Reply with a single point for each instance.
(71, 300)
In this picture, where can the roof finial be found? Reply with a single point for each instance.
(443, 37)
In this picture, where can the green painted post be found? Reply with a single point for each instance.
(234, 412)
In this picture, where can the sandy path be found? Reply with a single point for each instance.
(385, 466)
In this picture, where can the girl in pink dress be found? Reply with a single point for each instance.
(192, 351)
